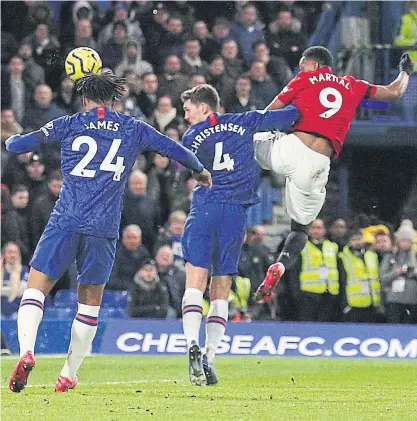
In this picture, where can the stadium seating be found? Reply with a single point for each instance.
(66, 299)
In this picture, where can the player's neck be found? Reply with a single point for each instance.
(90, 105)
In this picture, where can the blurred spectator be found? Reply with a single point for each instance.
(172, 236)
(196, 80)
(39, 12)
(184, 9)
(232, 64)
(182, 200)
(276, 67)
(172, 82)
(130, 106)
(173, 133)
(84, 35)
(262, 85)
(20, 201)
(399, 277)
(9, 127)
(209, 47)
(154, 23)
(43, 206)
(14, 171)
(382, 245)
(36, 179)
(285, 39)
(42, 110)
(315, 278)
(147, 99)
(133, 61)
(172, 40)
(254, 262)
(247, 29)
(66, 98)
(338, 232)
(361, 295)
(16, 92)
(160, 181)
(113, 50)
(33, 73)
(172, 276)
(140, 209)
(191, 60)
(9, 46)
(148, 297)
(130, 255)
(45, 49)
(221, 32)
(165, 114)
(408, 31)
(243, 99)
(133, 29)
(9, 224)
(14, 278)
(218, 78)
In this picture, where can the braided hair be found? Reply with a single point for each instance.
(101, 87)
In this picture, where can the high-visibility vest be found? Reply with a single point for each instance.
(363, 288)
(319, 268)
(241, 293)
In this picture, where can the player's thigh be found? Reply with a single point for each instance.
(303, 207)
(263, 143)
(197, 241)
(229, 236)
(95, 259)
(55, 252)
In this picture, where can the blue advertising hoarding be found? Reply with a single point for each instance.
(165, 337)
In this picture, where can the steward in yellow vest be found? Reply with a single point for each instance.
(317, 271)
(362, 290)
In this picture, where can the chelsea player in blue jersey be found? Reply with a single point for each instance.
(98, 150)
(215, 228)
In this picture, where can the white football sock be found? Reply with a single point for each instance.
(28, 319)
(192, 313)
(83, 331)
(215, 326)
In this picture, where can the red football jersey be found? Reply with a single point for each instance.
(327, 102)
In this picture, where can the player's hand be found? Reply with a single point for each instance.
(406, 64)
(204, 178)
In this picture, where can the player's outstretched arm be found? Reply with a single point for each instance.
(157, 142)
(282, 120)
(24, 143)
(396, 89)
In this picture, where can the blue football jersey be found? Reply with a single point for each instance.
(98, 150)
(224, 145)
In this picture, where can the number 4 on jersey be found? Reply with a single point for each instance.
(227, 163)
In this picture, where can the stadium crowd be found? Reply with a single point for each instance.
(248, 52)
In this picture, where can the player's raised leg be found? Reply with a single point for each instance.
(28, 319)
(306, 174)
(95, 259)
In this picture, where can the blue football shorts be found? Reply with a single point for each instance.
(58, 249)
(213, 237)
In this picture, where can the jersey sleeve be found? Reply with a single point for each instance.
(51, 132)
(270, 120)
(55, 130)
(151, 140)
(289, 92)
(364, 89)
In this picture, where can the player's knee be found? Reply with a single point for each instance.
(196, 277)
(297, 227)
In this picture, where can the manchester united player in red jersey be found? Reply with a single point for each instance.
(327, 104)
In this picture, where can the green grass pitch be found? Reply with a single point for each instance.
(262, 389)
